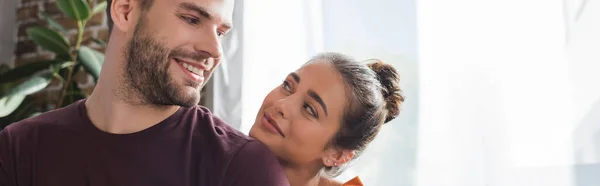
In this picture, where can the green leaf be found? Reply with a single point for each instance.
(57, 67)
(34, 114)
(100, 7)
(76, 9)
(3, 69)
(32, 85)
(99, 42)
(4, 87)
(49, 39)
(26, 70)
(63, 57)
(23, 111)
(91, 59)
(66, 64)
(52, 23)
(9, 104)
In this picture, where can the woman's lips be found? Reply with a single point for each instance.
(271, 125)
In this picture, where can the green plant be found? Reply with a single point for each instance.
(18, 84)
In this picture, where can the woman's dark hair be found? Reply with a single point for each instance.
(374, 98)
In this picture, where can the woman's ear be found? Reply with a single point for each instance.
(121, 12)
(336, 157)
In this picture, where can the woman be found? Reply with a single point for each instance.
(324, 115)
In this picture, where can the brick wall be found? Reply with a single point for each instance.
(27, 16)
(27, 52)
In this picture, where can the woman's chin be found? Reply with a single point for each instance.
(252, 133)
(253, 130)
(258, 134)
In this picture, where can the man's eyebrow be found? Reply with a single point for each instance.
(202, 12)
(195, 8)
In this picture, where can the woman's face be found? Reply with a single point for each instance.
(298, 119)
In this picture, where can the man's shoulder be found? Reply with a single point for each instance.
(208, 129)
(247, 160)
(254, 151)
(52, 119)
(255, 164)
(207, 121)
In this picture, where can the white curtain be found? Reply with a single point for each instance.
(279, 36)
(224, 90)
(509, 93)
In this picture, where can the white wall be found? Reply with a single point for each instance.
(583, 51)
(503, 93)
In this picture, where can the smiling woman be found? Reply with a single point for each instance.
(324, 115)
(278, 36)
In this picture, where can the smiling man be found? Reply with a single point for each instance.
(142, 125)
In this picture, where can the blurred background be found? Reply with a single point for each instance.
(499, 92)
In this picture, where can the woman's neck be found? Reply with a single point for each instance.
(306, 176)
(301, 176)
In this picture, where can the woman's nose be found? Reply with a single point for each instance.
(281, 107)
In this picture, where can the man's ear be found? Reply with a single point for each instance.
(121, 12)
(336, 157)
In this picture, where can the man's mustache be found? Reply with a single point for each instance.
(182, 53)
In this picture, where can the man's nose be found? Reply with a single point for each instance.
(209, 42)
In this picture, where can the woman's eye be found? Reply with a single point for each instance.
(286, 86)
(310, 110)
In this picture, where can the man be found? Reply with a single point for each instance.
(142, 125)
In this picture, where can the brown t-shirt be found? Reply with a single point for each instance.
(191, 147)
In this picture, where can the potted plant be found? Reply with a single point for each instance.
(18, 84)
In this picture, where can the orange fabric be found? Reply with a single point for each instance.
(353, 182)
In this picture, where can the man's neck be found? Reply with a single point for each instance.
(113, 115)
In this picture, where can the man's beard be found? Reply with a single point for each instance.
(147, 73)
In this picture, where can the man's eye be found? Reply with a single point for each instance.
(190, 20)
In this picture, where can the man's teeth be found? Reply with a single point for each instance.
(192, 69)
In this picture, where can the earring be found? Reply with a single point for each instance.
(328, 161)
(334, 163)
